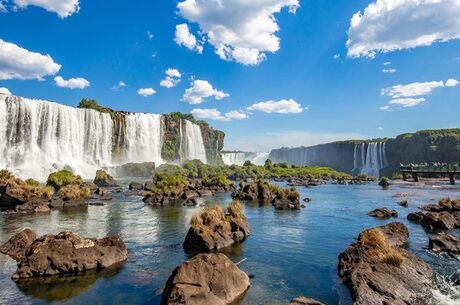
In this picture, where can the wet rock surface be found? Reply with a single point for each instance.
(64, 253)
(206, 279)
(378, 270)
(213, 229)
(383, 213)
(445, 243)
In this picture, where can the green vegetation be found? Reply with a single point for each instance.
(103, 175)
(29, 189)
(171, 185)
(74, 192)
(216, 180)
(90, 104)
(379, 248)
(32, 182)
(5, 175)
(385, 182)
(63, 178)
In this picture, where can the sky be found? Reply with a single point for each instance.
(269, 73)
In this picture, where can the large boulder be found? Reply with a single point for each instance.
(14, 191)
(63, 253)
(378, 270)
(445, 243)
(206, 279)
(415, 216)
(17, 246)
(213, 229)
(438, 221)
(103, 179)
(383, 213)
(31, 207)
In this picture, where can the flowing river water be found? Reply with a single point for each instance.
(289, 253)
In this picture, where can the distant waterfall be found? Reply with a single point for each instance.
(369, 158)
(192, 141)
(38, 137)
(238, 158)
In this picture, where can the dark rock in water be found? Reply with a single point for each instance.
(306, 199)
(98, 204)
(415, 216)
(213, 230)
(304, 301)
(455, 278)
(31, 207)
(204, 193)
(206, 279)
(58, 203)
(64, 253)
(148, 186)
(190, 202)
(445, 243)
(91, 185)
(134, 186)
(384, 182)
(18, 245)
(378, 270)
(404, 203)
(439, 221)
(103, 194)
(103, 179)
(190, 194)
(383, 213)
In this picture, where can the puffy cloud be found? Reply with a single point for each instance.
(200, 90)
(389, 71)
(216, 115)
(185, 38)
(172, 78)
(72, 83)
(64, 8)
(4, 90)
(2, 7)
(283, 106)
(389, 25)
(120, 85)
(417, 89)
(241, 31)
(146, 92)
(406, 95)
(19, 63)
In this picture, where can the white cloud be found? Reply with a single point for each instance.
(150, 35)
(241, 31)
(283, 106)
(389, 25)
(64, 8)
(5, 91)
(120, 85)
(389, 71)
(387, 63)
(2, 6)
(146, 92)
(294, 138)
(200, 90)
(417, 89)
(216, 115)
(72, 83)
(336, 56)
(172, 78)
(379, 128)
(185, 38)
(451, 82)
(19, 63)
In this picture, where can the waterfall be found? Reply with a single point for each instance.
(192, 141)
(369, 158)
(38, 137)
(238, 158)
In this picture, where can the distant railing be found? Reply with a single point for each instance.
(431, 168)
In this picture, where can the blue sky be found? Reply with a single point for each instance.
(329, 90)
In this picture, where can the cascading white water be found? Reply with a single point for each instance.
(238, 158)
(193, 145)
(143, 138)
(38, 137)
(369, 158)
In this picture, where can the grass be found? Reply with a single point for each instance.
(171, 185)
(377, 246)
(63, 178)
(215, 214)
(103, 175)
(74, 192)
(29, 189)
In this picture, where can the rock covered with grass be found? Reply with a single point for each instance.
(103, 179)
(206, 279)
(64, 253)
(378, 270)
(281, 198)
(214, 228)
(166, 189)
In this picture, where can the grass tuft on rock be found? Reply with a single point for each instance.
(103, 175)
(74, 192)
(63, 178)
(379, 248)
(236, 209)
(171, 185)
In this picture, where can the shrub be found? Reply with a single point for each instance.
(384, 182)
(90, 104)
(169, 185)
(63, 178)
(74, 192)
(170, 169)
(379, 249)
(216, 180)
(103, 175)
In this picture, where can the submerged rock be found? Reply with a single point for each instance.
(445, 243)
(378, 270)
(206, 279)
(383, 213)
(404, 203)
(212, 229)
(63, 253)
(304, 301)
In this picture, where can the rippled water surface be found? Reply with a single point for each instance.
(289, 253)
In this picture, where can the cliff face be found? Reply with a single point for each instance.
(214, 143)
(441, 145)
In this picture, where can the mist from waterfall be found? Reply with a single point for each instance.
(38, 137)
(238, 158)
(369, 158)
